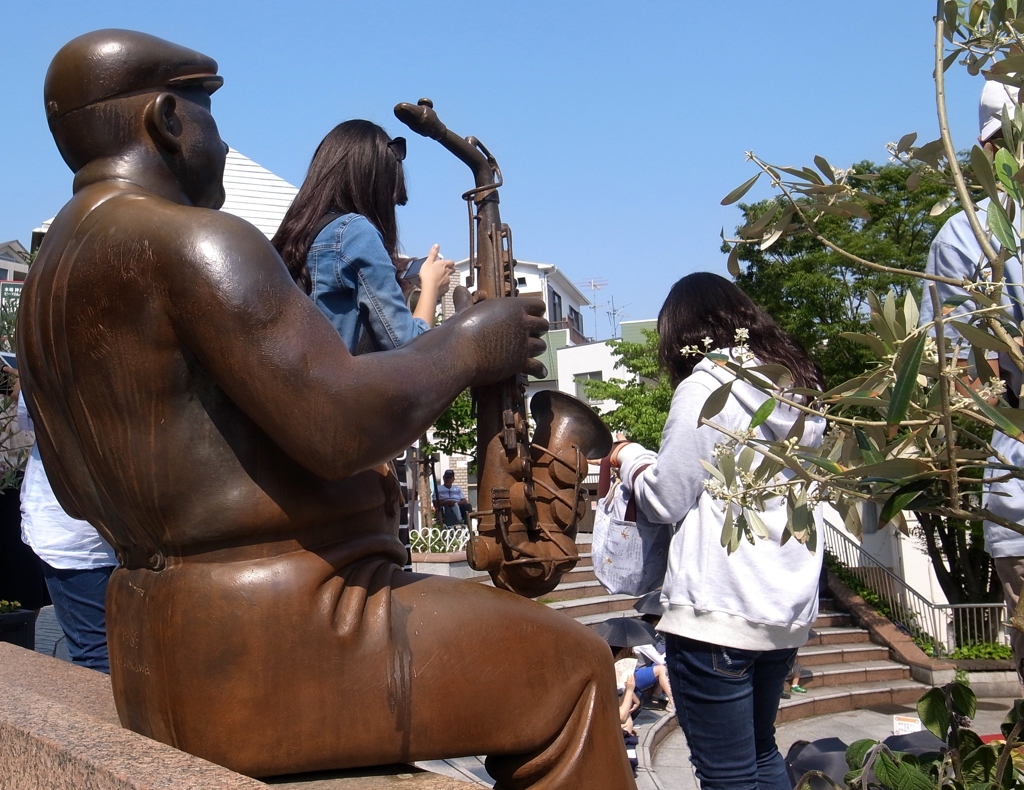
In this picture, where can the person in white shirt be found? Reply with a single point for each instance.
(77, 561)
(955, 252)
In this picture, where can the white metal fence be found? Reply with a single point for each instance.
(435, 539)
(943, 627)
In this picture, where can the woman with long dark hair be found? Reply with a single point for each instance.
(339, 239)
(733, 623)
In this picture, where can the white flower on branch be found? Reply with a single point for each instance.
(715, 487)
(723, 449)
(994, 389)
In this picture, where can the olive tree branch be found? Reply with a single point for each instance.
(947, 146)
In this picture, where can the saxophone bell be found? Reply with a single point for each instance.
(531, 561)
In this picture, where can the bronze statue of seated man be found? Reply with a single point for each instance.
(193, 404)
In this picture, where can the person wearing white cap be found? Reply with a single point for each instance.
(955, 252)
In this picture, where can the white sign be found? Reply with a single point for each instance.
(904, 725)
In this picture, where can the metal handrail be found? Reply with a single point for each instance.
(942, 627)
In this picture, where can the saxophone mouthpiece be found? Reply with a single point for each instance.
(421, 118)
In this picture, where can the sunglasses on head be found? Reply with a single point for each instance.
(397, 147)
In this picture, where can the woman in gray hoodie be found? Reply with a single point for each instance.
(733, 622)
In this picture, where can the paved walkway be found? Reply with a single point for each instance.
(671, 760)
(49, 638)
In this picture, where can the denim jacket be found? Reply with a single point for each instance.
(354, 285)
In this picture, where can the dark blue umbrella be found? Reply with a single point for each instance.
(650, 603)
(626, 632)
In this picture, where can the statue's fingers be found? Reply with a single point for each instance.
(462, 298)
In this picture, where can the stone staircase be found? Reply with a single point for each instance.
(581, 596)
(842, 669)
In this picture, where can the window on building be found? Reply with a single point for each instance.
(554, 305)
(4, 274)
(581, 378)
(576, 320)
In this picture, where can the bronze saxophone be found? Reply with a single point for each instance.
(530, 494)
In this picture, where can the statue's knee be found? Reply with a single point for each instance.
(594, 654)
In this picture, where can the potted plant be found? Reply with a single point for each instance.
(17, 625)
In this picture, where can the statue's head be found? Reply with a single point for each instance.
(118, 93)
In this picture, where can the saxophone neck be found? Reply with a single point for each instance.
(422, 119)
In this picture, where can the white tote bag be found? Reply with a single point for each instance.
(629, 553)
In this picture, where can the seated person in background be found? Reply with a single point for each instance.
(451, 501)
(650, 671)
(339, 239)
(651, 675)
(794, 681)
(625, 686)
(629, 704)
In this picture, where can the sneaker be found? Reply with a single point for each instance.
(786, 695)
(798, 689)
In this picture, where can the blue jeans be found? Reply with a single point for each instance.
(726, 701)
(79, 601)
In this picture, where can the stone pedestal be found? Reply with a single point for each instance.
(59, 731)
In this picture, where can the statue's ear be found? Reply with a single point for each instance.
(163, 123)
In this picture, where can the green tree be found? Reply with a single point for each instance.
(642, 401)
(963, 568)
(914, 430)
(818, 294)
(455, 429)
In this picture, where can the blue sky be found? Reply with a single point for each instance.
(618, 127)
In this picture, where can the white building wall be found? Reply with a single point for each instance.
(592, 357)
(539, 279)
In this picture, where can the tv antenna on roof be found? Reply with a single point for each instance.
(615, 314)
(594, 284)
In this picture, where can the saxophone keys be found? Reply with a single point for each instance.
(565, 468)
(522, 504)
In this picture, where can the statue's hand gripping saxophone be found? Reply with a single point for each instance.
(531, 495)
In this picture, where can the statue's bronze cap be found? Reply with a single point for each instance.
(105, 64)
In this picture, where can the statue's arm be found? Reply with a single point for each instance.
(235, 307)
